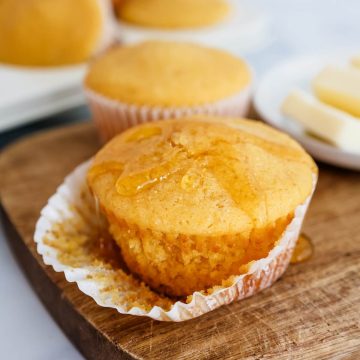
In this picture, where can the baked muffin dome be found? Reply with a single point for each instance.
(160, 73)
(48, 33)
(172, 14)
(191, 201)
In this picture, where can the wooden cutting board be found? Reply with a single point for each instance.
(312, 312)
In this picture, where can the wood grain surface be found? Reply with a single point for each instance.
(312, 312)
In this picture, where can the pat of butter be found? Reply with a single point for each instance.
(356, 61)
(339, 87)
(335, 126)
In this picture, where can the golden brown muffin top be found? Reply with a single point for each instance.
(172, 14)
(49, 33)
(201, 176)
(167, 74)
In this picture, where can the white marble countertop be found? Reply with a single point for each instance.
(27, 331)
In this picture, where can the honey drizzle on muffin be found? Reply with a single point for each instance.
(200, 197)
(303, 251)
(220, 159)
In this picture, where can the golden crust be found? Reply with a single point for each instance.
(159, 73)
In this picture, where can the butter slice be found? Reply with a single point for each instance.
(339, 87)
(335, 126)
(356, 61)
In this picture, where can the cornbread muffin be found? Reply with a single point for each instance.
(172, 14)
(157, 73)
(191, 201)
(156, 80)
(49, 33)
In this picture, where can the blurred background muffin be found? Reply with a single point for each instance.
(52, 33)
(229, 24)
(174, 14)
(155, 80)
(192, 201)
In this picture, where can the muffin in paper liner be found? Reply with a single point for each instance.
(112, 116)
(67, 236)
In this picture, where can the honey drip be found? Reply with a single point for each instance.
(103, 168)
(144, 133)
(303, 249)
(216, 155)
(97, 213)
(132, 184)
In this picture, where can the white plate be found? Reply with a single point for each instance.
(28, 94)
(276, 84)
(246, 31)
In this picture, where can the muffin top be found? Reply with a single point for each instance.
(201, 176)
(173, 14)
(48, 33)
(167, 74)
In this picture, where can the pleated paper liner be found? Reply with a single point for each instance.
(71, 236)
(112, 117)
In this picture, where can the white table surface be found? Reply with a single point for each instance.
(299, 26)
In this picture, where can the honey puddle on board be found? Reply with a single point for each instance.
(303, 250)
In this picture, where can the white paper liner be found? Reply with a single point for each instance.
(244, 30)
(112, 117)
(260, 275)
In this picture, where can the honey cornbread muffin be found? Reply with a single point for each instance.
(157, 80)
(193, 201)
(52, 33)
(172, 14)
(230, 25)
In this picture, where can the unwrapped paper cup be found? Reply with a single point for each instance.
(68, 238)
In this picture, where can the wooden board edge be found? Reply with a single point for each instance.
(91, 344)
